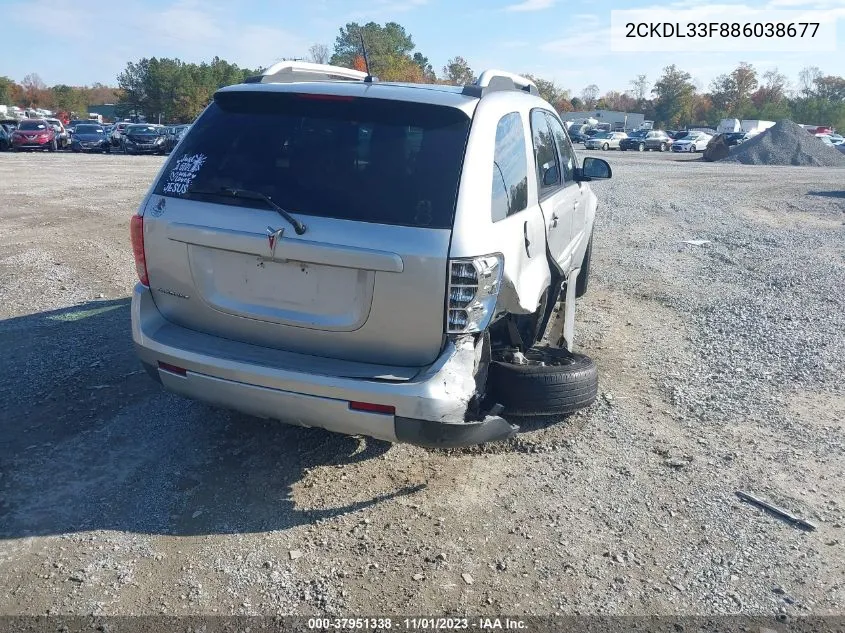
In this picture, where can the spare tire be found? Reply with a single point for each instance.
(553, 382)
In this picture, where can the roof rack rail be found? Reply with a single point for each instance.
(497, 80)
(292, 71)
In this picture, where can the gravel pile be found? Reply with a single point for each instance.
(786, 143)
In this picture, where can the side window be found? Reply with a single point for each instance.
(510, 168)
(548, 173)
(564, 148)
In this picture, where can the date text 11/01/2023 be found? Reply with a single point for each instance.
(721, 29)
(417, 624)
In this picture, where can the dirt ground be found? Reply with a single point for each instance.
(721, 370)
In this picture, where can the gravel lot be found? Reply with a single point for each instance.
(721, 367)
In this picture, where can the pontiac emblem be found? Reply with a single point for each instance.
(273, 236)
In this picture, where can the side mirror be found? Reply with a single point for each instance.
(594, 169)
(551, 176)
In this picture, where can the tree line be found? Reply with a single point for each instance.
(32, 92)
(178, 91)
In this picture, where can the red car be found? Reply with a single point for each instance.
(34, 134)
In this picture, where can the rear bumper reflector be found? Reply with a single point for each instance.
(372, 408)
(173, 369)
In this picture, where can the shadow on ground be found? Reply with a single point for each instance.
(89, 442)
(827, 194)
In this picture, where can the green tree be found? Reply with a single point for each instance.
(175, 90)
(831, 88)
(457, 72)
(389, 47)
(732, 93)
(549, 90)
(425, 66)
(69, 99)
(6, 85)
(674, 94)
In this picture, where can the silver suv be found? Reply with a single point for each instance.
(370, 258)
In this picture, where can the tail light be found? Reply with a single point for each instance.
(136, 232)
(473, 290)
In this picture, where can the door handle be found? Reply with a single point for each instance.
(527, 241)
(554, 219)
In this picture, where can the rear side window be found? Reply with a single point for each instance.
(360, 159)
(548, 174)
(510, 168)
(564, 147)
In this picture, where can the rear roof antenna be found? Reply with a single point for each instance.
(369, 78)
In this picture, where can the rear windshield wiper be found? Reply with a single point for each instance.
(298, 226)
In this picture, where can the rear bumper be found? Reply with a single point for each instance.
(430, 408)
(135, 149)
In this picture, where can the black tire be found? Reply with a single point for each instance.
(693, 149)
(584, 276)
(641, 147)
(53, 146)
(567, 383)
(605, 147)
(663, 147)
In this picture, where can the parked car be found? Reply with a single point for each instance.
(174, 135)
(691, 142)
(71, 126)
(34, 134)
(605, 140)
(90, 137)
(62, 135)
(117, 133)
(577, 137)
(734, 138)
(143, 138)
(417, 245)
(643, 140)
(837, 139)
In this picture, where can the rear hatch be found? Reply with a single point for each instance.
(375, 183)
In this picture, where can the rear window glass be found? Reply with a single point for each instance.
(359, 159)
(142, 129)
(32, 125)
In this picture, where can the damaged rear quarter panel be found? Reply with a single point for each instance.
(450, 383)
(521, 237)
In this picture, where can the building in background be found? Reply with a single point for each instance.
(106, 110)
(618, 121)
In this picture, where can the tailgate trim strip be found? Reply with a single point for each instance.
(288, 249)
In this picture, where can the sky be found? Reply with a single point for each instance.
(568, 42)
